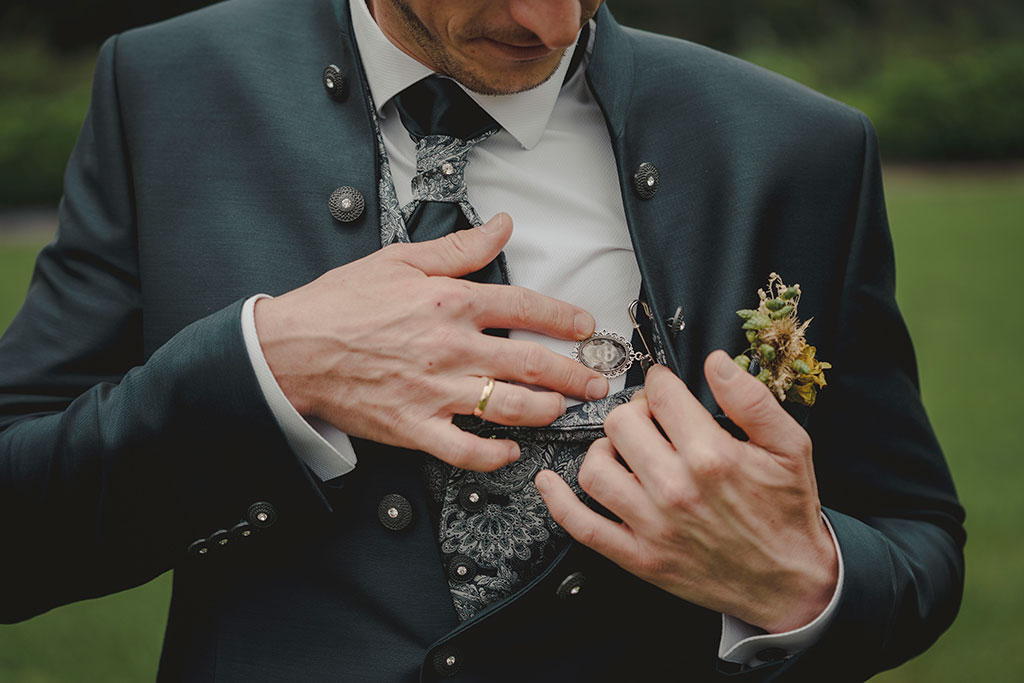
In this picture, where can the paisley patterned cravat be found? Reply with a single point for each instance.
(495, 533)
(445, 123)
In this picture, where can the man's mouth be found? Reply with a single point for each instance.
(521, 52)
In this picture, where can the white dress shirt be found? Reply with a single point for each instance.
(552, 169)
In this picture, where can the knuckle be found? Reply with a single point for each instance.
(760, 402)
(445, 338)
(568, 376)
(677, 494)
(457, 454)
(614, 423)
(554, 408)
(658, 391)
(802, 442)
(456, 243)
(532, 363)
(587, 476)
(708, 467)
(585, 533)
(650, 565)
(586, 480)
(619, 419)
(453, 296)
(513, 406)
(523, 308)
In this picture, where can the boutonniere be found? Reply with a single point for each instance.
(779, 355)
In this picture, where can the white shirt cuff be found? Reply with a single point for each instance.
(751, 646)
(322, 447)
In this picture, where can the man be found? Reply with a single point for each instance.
(149, 423)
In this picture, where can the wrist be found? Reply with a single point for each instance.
(812, 586)
(274, 332)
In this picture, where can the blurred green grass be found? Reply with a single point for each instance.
(958, 236)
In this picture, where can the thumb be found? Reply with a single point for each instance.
(754, 409)
(463, 251)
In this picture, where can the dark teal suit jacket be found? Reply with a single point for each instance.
(132, 423)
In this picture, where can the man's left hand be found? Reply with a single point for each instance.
(734, 526)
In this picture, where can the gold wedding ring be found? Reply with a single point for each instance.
(485, 396)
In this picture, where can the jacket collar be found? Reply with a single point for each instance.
(524, 116)
(611, 70)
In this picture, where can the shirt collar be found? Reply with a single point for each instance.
(524, 115)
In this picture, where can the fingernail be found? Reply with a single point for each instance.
(561, 405)
(597, 388)
(541, 481)
(493, 225)
(515, 453)
(584, 324)
(727, 368)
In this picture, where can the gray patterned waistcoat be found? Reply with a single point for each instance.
(494, 529)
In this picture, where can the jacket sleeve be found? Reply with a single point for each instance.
(112, 463)
(878, 461)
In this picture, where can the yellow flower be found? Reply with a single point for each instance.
(810, 376)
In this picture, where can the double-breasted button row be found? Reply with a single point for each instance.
(394, 512)
(260, 515)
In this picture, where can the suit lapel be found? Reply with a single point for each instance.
(654, 226)
(672, 237)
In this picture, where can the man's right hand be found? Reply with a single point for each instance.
(390, 348)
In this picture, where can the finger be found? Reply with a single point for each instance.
(605, 480)
(530, 363)
(752, 406)
(632, 433)
(683, 418)
(614, 541)
(461, 252)
(510, 404)
(464, 450)
(519, 308)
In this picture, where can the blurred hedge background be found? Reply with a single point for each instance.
(942, 80)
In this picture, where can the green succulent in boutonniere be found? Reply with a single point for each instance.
(778, 353)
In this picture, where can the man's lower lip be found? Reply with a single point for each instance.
(517, 52)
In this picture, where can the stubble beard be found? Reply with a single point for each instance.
(444, 62)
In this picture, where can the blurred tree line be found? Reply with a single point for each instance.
(943, 80)
(727, 25)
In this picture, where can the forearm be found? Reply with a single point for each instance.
(110, 490)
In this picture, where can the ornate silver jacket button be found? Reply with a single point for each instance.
(261, 515)
(447, 661)
(571, 586)
(461, 569)
(346, 204)
(199, 548)
(472, 498)
(394, 512)
(645, 180)
(334, 82)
